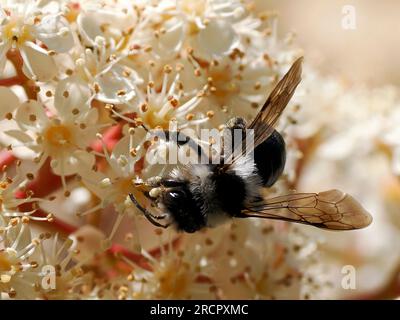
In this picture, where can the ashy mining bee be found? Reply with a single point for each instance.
(193, 197)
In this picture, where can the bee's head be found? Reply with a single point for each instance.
(183, 208)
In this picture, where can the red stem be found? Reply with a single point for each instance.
(29, 86)
(57, 223)
(136, 258)
(6, 158)
(12, 81)
(44, 183)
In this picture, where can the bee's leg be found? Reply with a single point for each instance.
(154, 182)
(157, 184)
(152, 218)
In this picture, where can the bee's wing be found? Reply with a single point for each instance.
(263, 124)
(331, 209)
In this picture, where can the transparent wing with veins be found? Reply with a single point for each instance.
(331, 209)
(264, 123)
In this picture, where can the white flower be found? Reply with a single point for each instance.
(111, 20)
(113, 185)
(40, 268)
(62, 132)
(9, 203)
(206, 26)
(238, 86)
(162, 100)
(260, 260)
(180, 271)
(25, 27)
(67, 258)
(102, 69)
(17, 274)
(166, 104)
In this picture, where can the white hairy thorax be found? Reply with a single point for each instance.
(202, 186)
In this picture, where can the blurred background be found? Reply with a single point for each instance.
(352, 80)
(368, 54)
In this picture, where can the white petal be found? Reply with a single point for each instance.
(48, 31)
(3, 15)
(121, 151)
(112, 82)
(31, 115)
(91, 117)
(84, 136)
(50, 6)
(71, 93)
(6, 140)
(70, 163)
(90, 22)
(38, 65)
(8, 101)
(217, 38)
(4, 47)
(19, 135)
(92, 180)
(23, 144)
(89, 28)
(90, 242)
(116, 18)
(171, 41)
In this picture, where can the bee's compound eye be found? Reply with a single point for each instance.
(177, 194)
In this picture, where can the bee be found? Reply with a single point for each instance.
(196, 196)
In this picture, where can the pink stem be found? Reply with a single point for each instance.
(6, 158)
(12, 81)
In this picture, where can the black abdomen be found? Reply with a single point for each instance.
(270, 158)
(230, 191)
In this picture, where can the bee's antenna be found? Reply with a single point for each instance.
(144, 127)
(152, 218)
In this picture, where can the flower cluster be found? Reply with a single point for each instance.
(81, 83)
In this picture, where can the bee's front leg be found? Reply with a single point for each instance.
(154, 182)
